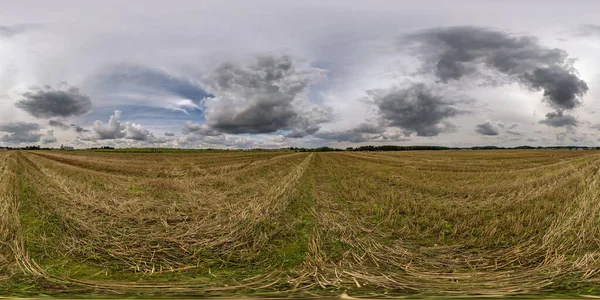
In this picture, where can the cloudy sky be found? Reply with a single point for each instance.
(270, 74)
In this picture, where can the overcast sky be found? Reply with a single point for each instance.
(270, 74)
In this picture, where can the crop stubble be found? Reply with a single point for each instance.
(476, 222)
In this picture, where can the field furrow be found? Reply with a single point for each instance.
(7, 215)
(99, 223)
(280, 222)
(405, 237)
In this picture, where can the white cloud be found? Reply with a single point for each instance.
(111, 130)
(136, 132)
(119, 61)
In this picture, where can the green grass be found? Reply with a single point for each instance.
(44, 230)
(281, 223)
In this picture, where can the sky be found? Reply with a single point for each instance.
(274, 74)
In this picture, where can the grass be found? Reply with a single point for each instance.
(511, 222)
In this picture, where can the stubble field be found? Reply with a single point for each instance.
(287, 223)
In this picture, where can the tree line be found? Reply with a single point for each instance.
(320, 149)
(435, 148)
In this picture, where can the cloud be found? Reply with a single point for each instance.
(560, 137)
(589, 30)
(263, 97)
(143, 83)
(59, 124)
(362, 133)
(9, 31)
(302, 132)
(115, 129)
(190, 127)
(356, 137)
(562, 88)
(487, 128)
(512, 132)
(200, 129)
(223, 141)
(185, 105)
(456, 52)
(169, 133)
(21, 132)
(137, 77)
(136, 132)
(48, 138)
(596, 126)
(179, 67)
(579, 138)
(63, 126)
(49, 102)
(111, 130)
(415, 109)
(558, 119)
(79, 129)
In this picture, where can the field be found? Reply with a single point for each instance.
(287, 223)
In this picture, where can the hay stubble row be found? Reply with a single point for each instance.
(475, 222)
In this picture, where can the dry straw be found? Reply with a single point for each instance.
(454, 222)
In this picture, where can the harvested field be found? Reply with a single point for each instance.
(279, 223)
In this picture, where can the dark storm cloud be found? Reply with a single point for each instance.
(136, 78)
(362, 133)
(59, 124)
(561, 87)
(456, 52)
(487, 128)
(343, 136)
(19, 127)
(21, 132)
(263, 98)
(63, 126)
(302, 132)
(308, 123)
(558, 119)
(199, 129)
(169, 133)
(78, 128)
(48, 102)
(415, 109)
(190, 127)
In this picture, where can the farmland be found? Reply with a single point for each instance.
(282, 222)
